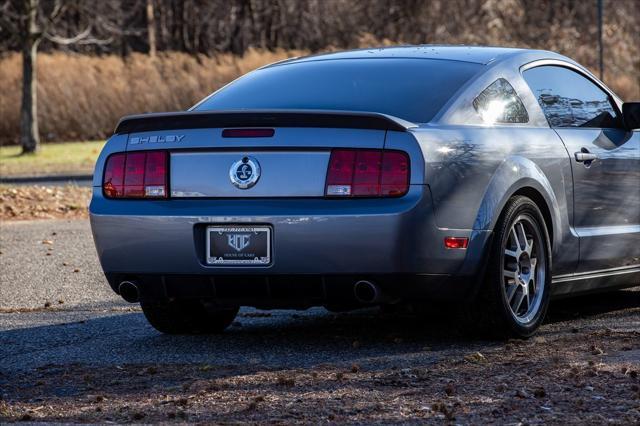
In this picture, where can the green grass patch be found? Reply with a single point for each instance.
(53, 158)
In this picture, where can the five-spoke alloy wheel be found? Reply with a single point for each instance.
(516, 294)
(524, 269)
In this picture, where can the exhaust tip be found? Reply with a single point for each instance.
(366, 291)
(129, 291)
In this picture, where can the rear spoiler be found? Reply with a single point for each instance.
(259, 118)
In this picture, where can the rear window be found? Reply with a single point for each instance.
(411, 89)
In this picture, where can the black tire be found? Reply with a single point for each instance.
(502, 299)
(187, 317)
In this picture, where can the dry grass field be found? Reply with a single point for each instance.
(83, 97)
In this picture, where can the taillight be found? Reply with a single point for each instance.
(367, 173)
(140, 174)
(113, 178)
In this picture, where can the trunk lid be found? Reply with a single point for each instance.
(290, 163)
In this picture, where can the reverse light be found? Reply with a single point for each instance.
(456, 242)
(367, 173)
(141, 174)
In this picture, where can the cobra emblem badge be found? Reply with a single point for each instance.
(245, 172)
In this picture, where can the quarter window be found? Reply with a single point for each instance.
(499, 103)
(569, 99)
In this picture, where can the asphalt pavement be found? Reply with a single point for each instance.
(57, 309)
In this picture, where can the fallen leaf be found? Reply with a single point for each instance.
(476, 358)
(449, 389)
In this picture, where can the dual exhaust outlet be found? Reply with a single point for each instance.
(364, 291)
(129, 291)
(368, 292)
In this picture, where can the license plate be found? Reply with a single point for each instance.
(238, 245)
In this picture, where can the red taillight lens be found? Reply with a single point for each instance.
(340, 172)
(367, 173)
(114, 176)
(134, 175)
(155, 174)
(395, 173)
(456, 242)
(141, 174)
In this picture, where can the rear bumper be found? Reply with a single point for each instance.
(293, 291)
(310, 236)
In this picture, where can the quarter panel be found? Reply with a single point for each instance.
(472, 171)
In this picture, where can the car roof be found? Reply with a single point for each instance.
(475, 54)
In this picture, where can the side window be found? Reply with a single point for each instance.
(499, 103)
(569, 99)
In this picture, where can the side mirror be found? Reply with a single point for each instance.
(631, 115)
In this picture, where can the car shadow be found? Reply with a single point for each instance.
(592, 305)
(119, 353)
(273, 338)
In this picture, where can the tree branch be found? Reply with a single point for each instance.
(58, 10)
(68, 40)
(92, 40)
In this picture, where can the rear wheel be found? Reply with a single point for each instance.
(516, 295)
(187, 316)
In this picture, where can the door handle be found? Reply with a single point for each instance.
(584, 156)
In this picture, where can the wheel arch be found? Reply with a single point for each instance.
(539, 200)
(520, 176)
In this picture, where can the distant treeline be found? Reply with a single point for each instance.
(210, 26)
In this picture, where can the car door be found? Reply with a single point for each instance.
(605, 165)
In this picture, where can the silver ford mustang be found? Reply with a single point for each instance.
(493, 178)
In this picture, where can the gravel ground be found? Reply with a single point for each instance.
(71, 351)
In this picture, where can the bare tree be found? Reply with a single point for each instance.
(29, 136)
(33, 22)
(151, 28)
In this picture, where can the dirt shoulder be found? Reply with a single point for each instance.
(39, 202)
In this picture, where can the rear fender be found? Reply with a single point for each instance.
(514, 174)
